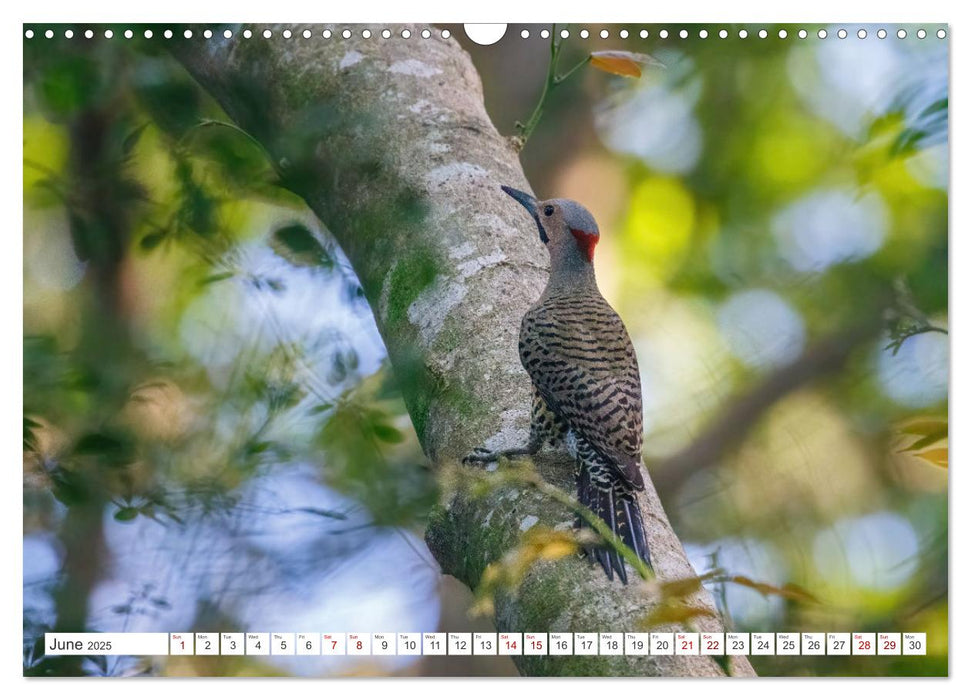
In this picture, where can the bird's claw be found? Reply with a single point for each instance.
(481, 455)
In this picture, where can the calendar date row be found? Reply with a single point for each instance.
(487, 643)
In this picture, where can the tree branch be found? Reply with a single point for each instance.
(741, 414)
(390, 144)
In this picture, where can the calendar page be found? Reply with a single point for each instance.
(545, 349)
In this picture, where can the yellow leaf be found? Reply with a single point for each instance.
(673, 611)
(797, 592)
(677, 588)
(924, 426)
(550, 544)
(557, 550)
(931, 432)
(482, 607)
(790, 590)
(537, 544)
(620, 62)
(491, 575)
(935, 455)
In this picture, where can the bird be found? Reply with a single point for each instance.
(586, 384)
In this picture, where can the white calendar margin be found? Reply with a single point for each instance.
(701, 11)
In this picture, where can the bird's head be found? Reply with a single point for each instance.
(567, 228)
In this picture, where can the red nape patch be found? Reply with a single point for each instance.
(586, 241)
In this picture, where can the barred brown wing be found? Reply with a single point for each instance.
(580, 358)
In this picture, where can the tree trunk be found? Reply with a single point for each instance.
(389, 142)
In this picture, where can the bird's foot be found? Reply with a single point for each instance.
(482, 455)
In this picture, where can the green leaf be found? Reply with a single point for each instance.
(126, 514)
(151, 241)
(907, 142)
(298, 246)
(934, 107)
(283, 396)
(97, 443)
(218, 277)
(925, 426)
(926, 441)
(116, 449)
(387, 433)
(239, 158)
(171, 98)
(322, 513)
(30, 440)
(69, 489)
(320, 408)
(197, 211)
(128, 145)
(255, 448)
(69, 84)
(889, 123)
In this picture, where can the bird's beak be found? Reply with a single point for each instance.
(527, 200)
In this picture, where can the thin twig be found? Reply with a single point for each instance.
(552, 81)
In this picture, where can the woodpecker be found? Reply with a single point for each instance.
(586, 385)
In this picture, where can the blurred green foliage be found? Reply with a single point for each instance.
(134, 405)
(751, 170)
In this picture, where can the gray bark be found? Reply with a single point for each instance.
(389, 142)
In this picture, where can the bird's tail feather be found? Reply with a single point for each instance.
(617, 507)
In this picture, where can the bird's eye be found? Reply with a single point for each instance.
(548, 210)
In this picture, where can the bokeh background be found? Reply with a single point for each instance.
(213, 438)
